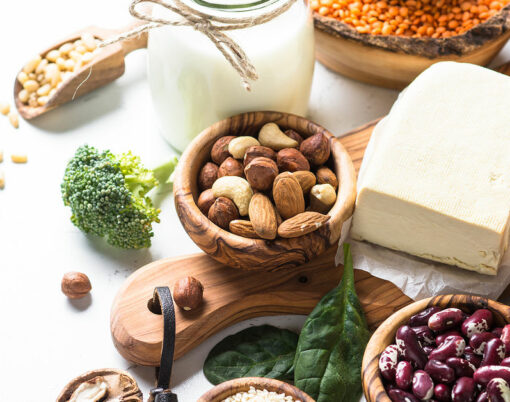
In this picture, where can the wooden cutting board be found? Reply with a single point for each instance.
(233, 295)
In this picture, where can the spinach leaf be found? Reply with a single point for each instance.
(263, 351)
(332, 342)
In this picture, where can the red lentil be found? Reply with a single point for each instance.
(412, 18)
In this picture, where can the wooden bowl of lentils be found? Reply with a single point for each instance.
(265, 190)
(255, 389)
(445, 348)
(389, 42)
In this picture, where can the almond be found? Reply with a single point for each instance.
(243, 228)
(302, 224)
(288, 195)
(306, 180)
(263, 216)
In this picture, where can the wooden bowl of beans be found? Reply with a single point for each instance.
(446, 348)
(255, 389)
(389, 42)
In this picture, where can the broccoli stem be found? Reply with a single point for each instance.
(162, 173)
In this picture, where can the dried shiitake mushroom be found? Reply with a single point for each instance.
(105, 385)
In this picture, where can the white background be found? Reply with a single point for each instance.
(45, 339)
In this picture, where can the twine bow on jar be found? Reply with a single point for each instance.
(211, 26)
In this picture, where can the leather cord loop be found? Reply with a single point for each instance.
(163, 298)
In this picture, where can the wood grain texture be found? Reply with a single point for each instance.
(107, 66)
(389, 68)
(385, 334)
(232, 387)
(232, 295)
(257, 254)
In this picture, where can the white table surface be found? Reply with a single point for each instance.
(46, 339)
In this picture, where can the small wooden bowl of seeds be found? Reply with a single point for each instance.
(389, 42)
(264, 190)
(255, 389)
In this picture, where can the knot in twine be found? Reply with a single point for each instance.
(210, 25)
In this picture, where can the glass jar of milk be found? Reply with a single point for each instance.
(193, 85)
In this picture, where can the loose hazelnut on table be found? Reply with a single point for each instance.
(75, 285)
(188, 293)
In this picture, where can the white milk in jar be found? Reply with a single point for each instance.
(193, 85)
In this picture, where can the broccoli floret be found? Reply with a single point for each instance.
(107, 194)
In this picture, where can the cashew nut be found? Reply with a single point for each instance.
(322, 197)
(235, 188)
(271, 136)
(238, 146)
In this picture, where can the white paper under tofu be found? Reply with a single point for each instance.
(436, 183)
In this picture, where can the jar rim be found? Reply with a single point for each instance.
(235, 6)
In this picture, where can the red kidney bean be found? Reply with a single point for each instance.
(397, 395)
(404, 375)
(445, 319)
(494, 352)
(423, 386)
(424, 334)
(478, 341)
(442, 393)
(472, 358)
(497, 331)
(505, 362)
(439, 371)
(479, 321)
(409, 347)
(482, 397)
(453, 346)
(505, 336)
(388, 362)
(464, 390)
(498, 390)
(441, 337)
(427, 349)
(422, 318)
(486, 373)
(461, 366)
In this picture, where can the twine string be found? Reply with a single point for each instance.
(210, 25)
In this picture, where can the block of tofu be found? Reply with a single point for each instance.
(436, 180)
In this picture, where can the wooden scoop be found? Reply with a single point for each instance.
(105, 67)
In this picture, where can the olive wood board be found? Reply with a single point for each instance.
(233, 295)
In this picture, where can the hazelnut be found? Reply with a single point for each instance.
(205, 200)
(188, 293)
(258, 151)
(294, 135)
(219, 151)
(207, 176)
(316, 149)
(261, 173)
(222, 212)
(75, 285)
(231, 167)
(291, 160)
(306, 180)
(326, 176)
(322, 198)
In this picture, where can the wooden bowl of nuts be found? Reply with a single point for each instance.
(452, 347)
(249, 388)
(388, 43)
(264, 190)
